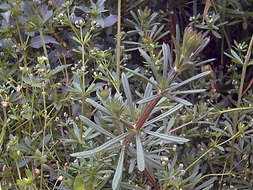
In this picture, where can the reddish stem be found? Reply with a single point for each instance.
(147, 111)
(154, 183)
(117, 126)
(248, 87)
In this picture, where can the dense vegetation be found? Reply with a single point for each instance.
(153, 94)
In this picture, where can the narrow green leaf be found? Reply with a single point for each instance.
(189, 91)
(77, 132)
(157, 32)
(48, 15)
(119, 170)
(166, 114)
(59, 69)
(140, 154)
(165, 48)
(189, 80)
(149, 61)
(98, 106)
(77, 40)
(128, 186)
(168, 138)
(142, 77)
(104, 146)
(154, 28)
(132, 43)
(216, 34)
(152, 17)
(162, 35)
(180, 100)
(152, 162)
(148, 99)
(170, 124)
(128, 95)
(236, 57)
(208, 183)
(147, 93)
(205, 61)
(95, 126)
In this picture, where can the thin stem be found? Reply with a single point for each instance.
(44, 46)
(145, 115)
(23, 45)
(3, 131)
(181, 126)
(118, 40)
(83, 68)
(150, 178)
(236, 109)
(209, 175)
(44, 132)
(236, 115)
(19, 174)
(212, 147)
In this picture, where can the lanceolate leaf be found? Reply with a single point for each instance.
(103, 147)
(118, 174)
(140, 154)
(180, 100)
(169, 138)
(59, 69)
(189, 80)
(96, 127)
(148, 99)
(166, 52)
(237, 58)
(98, 106)
(188, 91)
(160, 117)
(143, 77)
(128, 94)
(77, 132)
(151, 64)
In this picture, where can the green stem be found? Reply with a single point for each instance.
(83, 69)
(118, 40)
(19, 174)
(236, 115)
(44, 46)
(44, 132)
(3, 132)
(209, 150)
(236, 109)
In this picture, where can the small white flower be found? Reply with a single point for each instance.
(60, 178)
(4, 104)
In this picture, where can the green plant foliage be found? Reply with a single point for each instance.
(155, 96)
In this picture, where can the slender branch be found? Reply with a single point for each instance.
(44, 46)
(211, 148)
(151, 179)
(118, 40)
(181, 126)
(126, 123)
(236, 115)
(145, 115)
(236, 109)
(44, 133)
